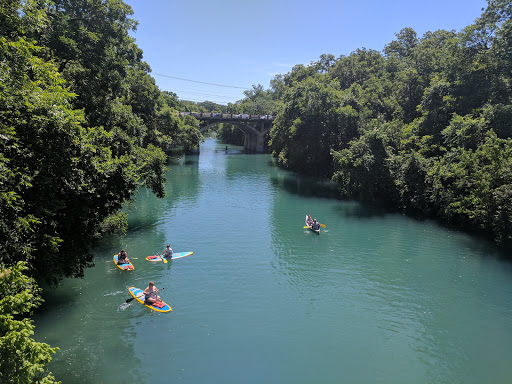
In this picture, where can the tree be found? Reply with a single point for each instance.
(473, 187)
(404, 45)
(90, 42)
(22, 360)
(307, 126)
(362, 170)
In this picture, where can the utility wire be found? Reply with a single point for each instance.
(201, 82)
(199, 93)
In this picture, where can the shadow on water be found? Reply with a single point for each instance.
(356, 210)
(471, 239)
(180, 184)
(305, 185)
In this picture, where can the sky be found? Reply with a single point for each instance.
(215, 50)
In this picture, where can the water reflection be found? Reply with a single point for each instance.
(305, 186)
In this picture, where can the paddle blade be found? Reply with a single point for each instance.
(133, 298)
(323, 225)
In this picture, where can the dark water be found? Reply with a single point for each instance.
(376, 298)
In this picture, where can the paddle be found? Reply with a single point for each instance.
(133, 298)
(161, 257)
(139, 296)
(322, 225)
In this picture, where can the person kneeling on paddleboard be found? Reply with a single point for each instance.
(150, 294)
(167, 253)
(316, 225)
(122, 257)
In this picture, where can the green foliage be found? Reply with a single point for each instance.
(116, 223)
(474, 187)
(409, 170)
(41, 146)
(65, 170)
(499, 117)
(22, 360)
(230, 134)
(257, 101)
(425, 125)
(465, 132)
(82, 124)
(404, 45)
(362, 170)
(171, 131)
(90, 43)
(307, 122)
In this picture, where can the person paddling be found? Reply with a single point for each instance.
(167, 253)
(315, 226)
(150, 293)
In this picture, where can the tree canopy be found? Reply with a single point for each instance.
(82, 125)
(424, 125)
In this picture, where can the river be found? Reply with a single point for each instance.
(377, 297)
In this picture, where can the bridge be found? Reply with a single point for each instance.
(254, 127)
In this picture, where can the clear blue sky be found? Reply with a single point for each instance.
(241, 43)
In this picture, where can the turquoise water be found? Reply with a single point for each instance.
(376, 298)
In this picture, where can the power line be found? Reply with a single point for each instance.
(201, 82)
(199, 93)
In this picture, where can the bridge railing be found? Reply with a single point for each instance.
(208, 115)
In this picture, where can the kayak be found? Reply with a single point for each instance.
(317, 231)
(125, 266)
(138, 294)
(175, 255)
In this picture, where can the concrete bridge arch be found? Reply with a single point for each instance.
(254, 131)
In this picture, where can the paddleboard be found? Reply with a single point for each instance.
(139, 296)
(125, 266)
(175, 255)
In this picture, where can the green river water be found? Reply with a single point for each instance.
(376, 298)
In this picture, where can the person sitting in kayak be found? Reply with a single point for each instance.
(167, 253)
(122, 257)
(315, 226)
(150, 294)
(309, 220)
